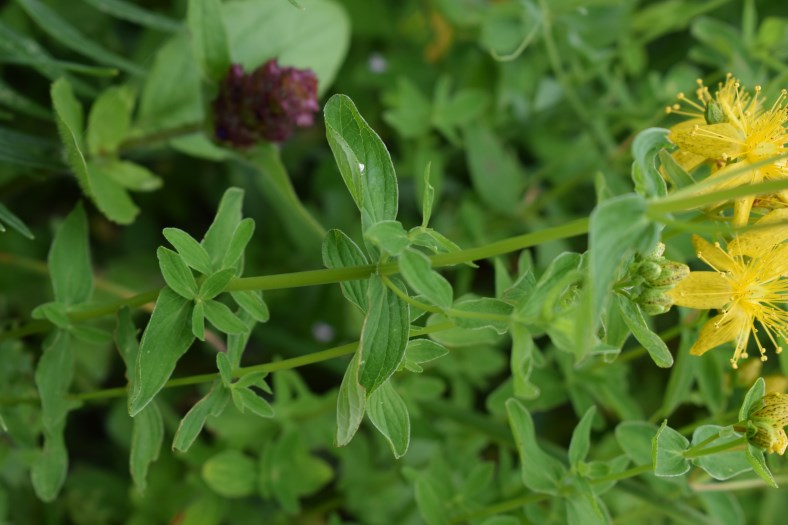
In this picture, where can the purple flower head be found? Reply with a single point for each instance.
(267, 104)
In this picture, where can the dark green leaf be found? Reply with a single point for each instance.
(109, 195)
(109, 120)
(241, 237)
(417, 271)
(384, 335)
(389, 236)
(225, 368)
(166, 338)
(340, 251)
(198, 320)
(53, 378)
(215, 284)
(351, 401)
(251, 301)
(176, 274)
(133, 13)
(146, 439)
(223, 318)
(522, 362)
(496, 175)
(30, 151)
(126, 341)
(192, 423)
(389, 414)
(70, 123)
(230, 473)
(189, 249)
(55, 313)
(50, 466)
(653, 343)
(218, 237)
(581, 438)
(251, 402)
(7, 217)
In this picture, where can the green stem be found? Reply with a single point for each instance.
(724, 447)
(157, 137)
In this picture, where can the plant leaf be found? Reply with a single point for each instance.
(69, 260)
(351, 404)
(176, 274)
(389, 414)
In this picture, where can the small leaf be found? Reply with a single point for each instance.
(678, 176)
(384, 335)
(758, 462)
(351, 404)
(753, 396)
(217, 239)
(110, 197)
(389, 236)
(215, 284)
(230, 473)
(8, 217)
(166, 338)
(416, 269)
(241, 237)
(496, 175)
(484, 312)
(209, 38)
(251, 301)
(645, 148)
(251, 402)
(389, 414)
(55, 313)
(223, 319)
(653, 343)
(126, 341)
(340, 251)
(198, 320)
(423, 351)
(580, 444)
(225, 368)
(540, 471)
(109, 120)
(176, 274)
(53, 376)
(128, 175)
(147, 436)
(189, 249)
(48, 472)
(522, 362)
(635, 439)
(192, 423)
(668, 447)
(724, 465)
(428, 198)
(69, 260)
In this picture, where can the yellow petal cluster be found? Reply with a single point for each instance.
(735, 132)
(749, 287)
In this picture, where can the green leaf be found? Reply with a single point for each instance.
(53, 376)
(147, 436)
(378, 181)
(127, 174)
(653, 343)
(91, 335)
(189, 249)
(241, 237)
(668, 447)
(52, 24)
(126, 341)
(225, 368)
(55, 313)
(251, 301)
(585, 508)
(351, 404)
(340, 251)
(209, 38)
(581, 436)
(250, 401)
(389, 414)
(109, 195)
(417, 271)
(218, 237)
(389, 236)
(423, 351)
(166, 338)
(724, 465)
(540, 471)
(678, 176)
(198, 320)
(753, 396)
(495, 173)
(230, 473)
(484, 312)
(758, 462)
(645, 174)
(48, 472)
(223, 318)
(8, 217)
(215, 284)
(70, 123)
(132, 13)
(682, 376)
(522, 362)
(428, 197)
(410, 110)
(635, 439)
(176, 274)
(384, 335)
(192, 423)
(433, 240)
(109, 120)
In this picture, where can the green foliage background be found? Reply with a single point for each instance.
(526, 113)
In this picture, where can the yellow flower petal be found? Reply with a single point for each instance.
(771, 229)
(702, 290)
(712, 254)
(719, 330)
(711, 141)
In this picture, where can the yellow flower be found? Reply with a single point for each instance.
(767, 420)
(748, 284)
(734, 129)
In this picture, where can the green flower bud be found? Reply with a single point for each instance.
(672, 272)
(766, 422)
(714, 113)
(649, 270)
(654, 301)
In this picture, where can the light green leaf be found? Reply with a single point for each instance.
(496, 175)
(581, 438)
(91, 335)
(176, 274)
(251, 301)
(522, 362)
(378, 180)
(384, 335)
(653, 343)
(540, 471)
(109, 195)
(389, 414)
(166, 338)
(147, 436)
(53, 376)
(56, 27)
(225, 368)
(635, 439)
(218, 237)
(241, 237)
(198, 320)
(423, 351)
(340, 251)
(128, 175)
(724, 465)
(223, 318)
(192, 423)
(351, 404)
(230, 473)
(250, 401)
(389, 236)
(215, 284)
(428, 197)
(645, 174)
(668, 447)
(70, 123)
(8, 217)
(758, 462)
(678, 176)
(417, 271)
(484, 312)
(189, 249)
(753, 396)
(109, 120)
(50, 466)
(55, 313)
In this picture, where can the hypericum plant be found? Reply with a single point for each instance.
(443, 400)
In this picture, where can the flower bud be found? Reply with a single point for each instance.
(766, 422)
(267, 104)
(671, 273)
(714, 113)
(654, 301)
